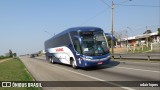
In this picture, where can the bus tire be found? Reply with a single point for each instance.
(50, 59)
(73, 64)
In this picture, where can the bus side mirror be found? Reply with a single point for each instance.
(77, 45)
(79, 39)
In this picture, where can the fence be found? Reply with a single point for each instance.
(155, 46)
(148, 56)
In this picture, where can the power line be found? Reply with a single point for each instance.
(48, 33)
(106, 3)
(122, 2)
(99, 13)
(153, 28)
(112, 31)
(138, 5)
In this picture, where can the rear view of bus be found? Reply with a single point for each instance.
(87, 47)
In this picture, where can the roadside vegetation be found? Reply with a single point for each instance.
(14, 70)
(8, 55)
(4, 57)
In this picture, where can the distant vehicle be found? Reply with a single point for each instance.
(79, 47)
(32, 56)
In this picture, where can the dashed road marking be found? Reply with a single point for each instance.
(127, 88)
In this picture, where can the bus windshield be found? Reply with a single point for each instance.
(94, 44)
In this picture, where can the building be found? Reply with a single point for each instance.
(144, 39)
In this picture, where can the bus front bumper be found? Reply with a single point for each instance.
(96, 62)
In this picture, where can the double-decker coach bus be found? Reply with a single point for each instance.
(79, 47)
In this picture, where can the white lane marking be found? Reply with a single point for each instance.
(138, 69)
(127, 88)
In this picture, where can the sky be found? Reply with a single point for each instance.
(26, 24)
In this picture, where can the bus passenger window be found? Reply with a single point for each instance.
(77, 45)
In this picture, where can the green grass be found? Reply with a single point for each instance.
(14, 70)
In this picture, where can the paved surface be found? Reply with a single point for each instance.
(42, 70)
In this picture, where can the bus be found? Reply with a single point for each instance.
(79, 47)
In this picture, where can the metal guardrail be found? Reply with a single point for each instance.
(147, 56)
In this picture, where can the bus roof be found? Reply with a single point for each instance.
(82, 29)
(77, 28)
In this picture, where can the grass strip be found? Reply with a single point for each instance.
(14, 70)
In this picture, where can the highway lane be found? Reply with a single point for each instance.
(146, 65)
(42, 70)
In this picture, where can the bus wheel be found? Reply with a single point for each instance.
(50, 59)
(74, 64)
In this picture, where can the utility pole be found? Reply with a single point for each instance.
(120, 39)
(128, 28)
(112, 42)
(147, 36)
(127, 40)
(112, 31)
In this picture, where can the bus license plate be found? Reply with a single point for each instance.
(99, 62)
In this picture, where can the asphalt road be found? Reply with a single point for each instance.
(42, 70)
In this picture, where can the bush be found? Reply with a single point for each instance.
(1, 57)
(4, 57)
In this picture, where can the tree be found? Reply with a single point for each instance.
(10, 53)
(158, 31)
(147, 32)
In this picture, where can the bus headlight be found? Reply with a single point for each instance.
(88, 59)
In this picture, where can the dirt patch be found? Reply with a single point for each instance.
(4, 60)
(120, 50)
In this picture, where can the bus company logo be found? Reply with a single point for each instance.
(6, 84)
(59, 49)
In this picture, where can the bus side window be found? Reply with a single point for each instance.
(77, 45)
